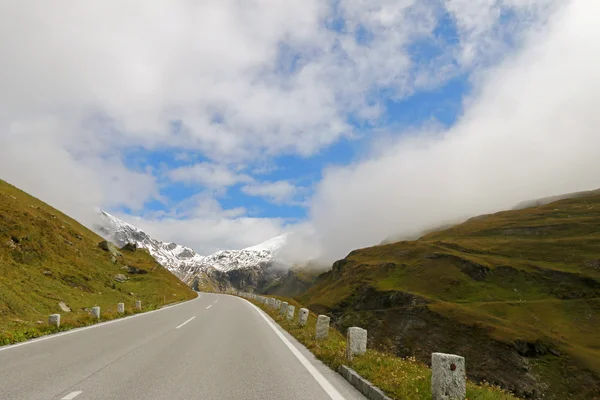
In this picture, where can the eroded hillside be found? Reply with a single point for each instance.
(517, 293)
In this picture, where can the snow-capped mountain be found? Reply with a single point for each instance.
(170, 255)
(224, 266)
(263, 253)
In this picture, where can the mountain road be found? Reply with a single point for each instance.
(212, 347)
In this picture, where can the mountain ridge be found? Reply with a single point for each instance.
(222, 269)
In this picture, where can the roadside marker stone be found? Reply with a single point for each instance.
(54, 319)
(356, 342)
(120, 308)
(291, 310)
(322, 331)
(303, 316)
(283, 308)
(448, 377)
(138, 305)
(96, 312)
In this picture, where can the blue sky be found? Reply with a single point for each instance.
(441, 105)
(399, 110)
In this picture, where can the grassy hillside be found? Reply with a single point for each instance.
(516, 292)
(47, 258)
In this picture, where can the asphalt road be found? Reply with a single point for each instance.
(213, 347)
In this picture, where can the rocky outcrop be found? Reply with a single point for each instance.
(136, 270)
(130, 246)
(64, 307)
(111, 248)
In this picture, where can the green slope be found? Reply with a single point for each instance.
(47, 257)
(516, 292)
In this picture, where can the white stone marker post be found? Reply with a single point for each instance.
(283, 308)
(96, 312)
(356, 342)
(322, 327)
(291, 310)
(138, 305)
(303, 316)
(54, 319)
(277, 304)
(120, 308)
(448, 377)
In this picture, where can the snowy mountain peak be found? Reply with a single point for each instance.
(185, 262)
(272, 244)
(117, 223)
(171, 255)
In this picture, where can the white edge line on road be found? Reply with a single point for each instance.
(325, 384)
(179, 326)
(85, 328)
(209, 307)
(72, 395)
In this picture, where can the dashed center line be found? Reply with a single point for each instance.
(72, 395)
(209, 307)
(185, 323)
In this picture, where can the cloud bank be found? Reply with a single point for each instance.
(530, 129)
(230, 87)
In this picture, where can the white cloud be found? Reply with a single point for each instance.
(200, 222)
(530, 130)
(82, 83)
(278, 192)
(70, 179)
(209, 175)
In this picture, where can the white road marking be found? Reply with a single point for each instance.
(321, 380)
(185, 323)
(72, 395)
(55, 335)
(209, 307)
